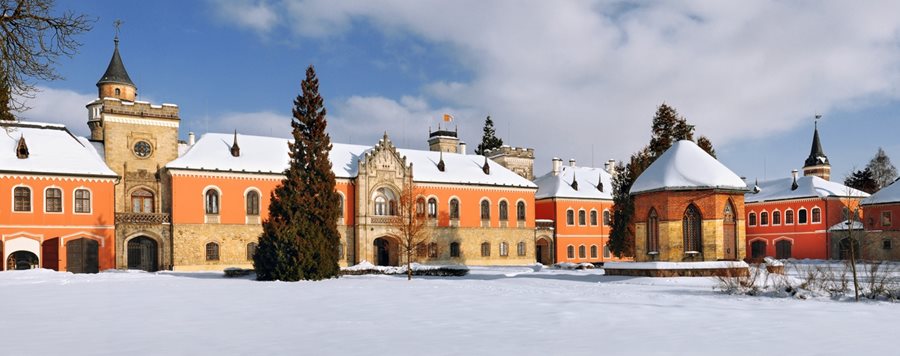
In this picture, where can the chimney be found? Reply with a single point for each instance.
(462, 148)
(557, 165)
(571, 162)
(611, 167)
(794, 174)
(191, 139)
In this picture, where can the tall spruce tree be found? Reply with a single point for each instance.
(489, 139)
(300, 239)
(883, 171)
(862, 180)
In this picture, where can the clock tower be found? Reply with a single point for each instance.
(136, 138)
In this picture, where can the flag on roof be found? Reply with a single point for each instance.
(448, 117)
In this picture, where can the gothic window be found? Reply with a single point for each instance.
(582, 217)
(251, 250)
(340, 204)
(421, 249)
(783, 249)
(504, 249)
(789, 217)
(801, 216)
(385, 202)
(485, 249)
(570, 217)
(593, 218)
(520, 248)
(485, 210)
(751, 219)
(212, 202)
(816, 215)
(691, 224)
(593, 251)
(570, 252)
(432, 208)
(582, 252)
(454, 208)
(606, 218)
(454, 249)
(252, 203)
(420, 207)
(212, 251)
(82, 201)
(142, 201)
(520, 211)
(653, 232)
(53, 200)
(432, 250)
(776, 218)
(504, 210)
(764, 218)
(22, 200)
(380, 206)
(606, 251)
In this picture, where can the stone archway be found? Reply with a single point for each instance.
(142, 253)
(21, 260)
(542, 251)
(386, 251)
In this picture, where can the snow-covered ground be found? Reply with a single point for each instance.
(492, 311)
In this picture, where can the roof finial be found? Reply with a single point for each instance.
(486, 168)
(574, 181)
(441, 166)
(22, 148)
(117, 23)
(235, 149)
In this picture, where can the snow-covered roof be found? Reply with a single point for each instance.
(52, 149)
(843, 225)
(807, 187)
(685, 166)
(560, 186)
(261, 154)
(887, 195)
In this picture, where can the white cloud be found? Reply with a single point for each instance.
(264, 123)
(59, 106)
(569, 76)
(256, 15)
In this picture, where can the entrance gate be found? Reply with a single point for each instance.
(142, 254)
(82, 256)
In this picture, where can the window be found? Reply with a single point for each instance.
(653, 232)
(22, 200)
(340, 204)
(783, 249)
(504, 210)
(520, 211)
(253, 203)
(251, 251)
(816, 215)
(485, 210)
(340, 251)
(801, 216)
(454, 208)
(485, 249)
(763, 218)
(421, 249)
(606, 251)
(582, 218)
(212, 202)
(751, 219)
(53, 200)
(432, 208)
(454, 249)
(380, 206)
(142, 201)
(385, 202)
(886, 244)
(757, 249)
(212, 251)
(432, 250)
(789, 217)
(570, 217)
(606, 218)
(504, 249)
(118, 91)
(593, 251)
(582, 252)
(570, 251)
(420, 207)
(82, 201)
(593, 218)
(885, 218)
(776, 218)
(691, 225)
(520, 248)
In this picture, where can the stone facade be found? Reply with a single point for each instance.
(516, 159)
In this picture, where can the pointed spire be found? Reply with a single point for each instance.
(115, 72)
(794, 184)
(574, 181)
(22, 148)
(816, 154)
(486, 168)
(441, 166)
(235, 149)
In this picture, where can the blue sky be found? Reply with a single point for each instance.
(570, 79)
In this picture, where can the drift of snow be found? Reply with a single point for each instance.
(807, 187)
(686, 166)
(887, 195)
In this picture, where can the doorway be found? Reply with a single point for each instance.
(82, 256)
(142, 254)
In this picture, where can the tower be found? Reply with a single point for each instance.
(443, 140)
(817, 163)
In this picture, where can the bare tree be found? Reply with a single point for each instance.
(851, 202)
(411, 223)
(883, 171)
(33, 38)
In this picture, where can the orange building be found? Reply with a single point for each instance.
(791, 217)
(57, 196)
(577, 203)
(881, 232)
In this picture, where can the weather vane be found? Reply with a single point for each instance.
(818, 116)
(117, 23)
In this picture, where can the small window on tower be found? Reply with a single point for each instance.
(118, 92)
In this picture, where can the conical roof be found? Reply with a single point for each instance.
(816, 154)
(115, 72)
(685, 166)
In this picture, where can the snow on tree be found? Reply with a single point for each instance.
(883, 172)
(300, 238)
(489, 139)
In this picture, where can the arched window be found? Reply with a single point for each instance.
(789, 217)
(593, 218)
(380, 206)
(816, 215)
(142, 201)
(432, 208)
(801, 216)
(606, 251)
(118, 91)
(582, 252)
(751, 219)
(776, 218)
(653, 232)
(252, 203)
(582, 217)
(53, 200)
(783, 249)
(212, 201)
(454, 208)
(485, 249)
(485, 210)
(570, 251)
(22, 200)
(454, 249)
(212, 251)
(764, 218)
(421, 249)
(520, 211)
(570, 217)
(757, 249)
(420, 207)
(385, 202)
(251, 250)
(504, 249)
(82, 201)
(432, 250)
(504, 210)
(691, 224)
(520, 248)
(593, 251)
(606, 218)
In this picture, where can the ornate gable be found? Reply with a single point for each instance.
(384, 162)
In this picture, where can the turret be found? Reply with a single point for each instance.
(115, 82)
(817, 163)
